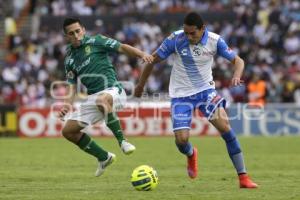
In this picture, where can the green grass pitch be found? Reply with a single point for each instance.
(44, 169)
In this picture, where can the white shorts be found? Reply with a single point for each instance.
(88, 111)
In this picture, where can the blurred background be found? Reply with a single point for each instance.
(265, 33)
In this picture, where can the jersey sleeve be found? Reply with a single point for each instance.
(107, 43)
(224, 51)
(70, 75)
(167, 47)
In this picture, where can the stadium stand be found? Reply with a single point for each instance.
(265, 34)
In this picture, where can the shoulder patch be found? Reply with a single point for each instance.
(69, 60)
(103, 37)
(68, 50)
(213, 36)
(174, 34)
(171, 36)
(178, 32)
(90, 41)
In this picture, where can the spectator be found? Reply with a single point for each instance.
(256, 91)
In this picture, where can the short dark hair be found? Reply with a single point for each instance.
(193, 19)
(70, 20)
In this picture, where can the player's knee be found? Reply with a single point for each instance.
(66, 132)
(71, 135)
(182, 136)
(104, 103)
(182, 139)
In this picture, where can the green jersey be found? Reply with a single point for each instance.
(90, 64)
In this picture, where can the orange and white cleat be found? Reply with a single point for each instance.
(192, 164)
(246, 182)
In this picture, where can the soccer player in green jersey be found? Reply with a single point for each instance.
(87, 62)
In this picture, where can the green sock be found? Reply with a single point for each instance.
(113, 123)
(88, 145)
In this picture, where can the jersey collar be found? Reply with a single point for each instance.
(204, 37)
(84, 39)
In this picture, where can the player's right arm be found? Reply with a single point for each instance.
(68, 101)
(138, 91)
(71, 88)
(164, 51)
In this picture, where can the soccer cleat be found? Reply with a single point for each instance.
(127, 148)
(192, 164)
(246, 182)
(103, 164)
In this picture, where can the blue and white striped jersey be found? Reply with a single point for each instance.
(192, 64)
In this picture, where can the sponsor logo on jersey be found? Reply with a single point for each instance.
(184, 52)
(207, 53)
(84, 64)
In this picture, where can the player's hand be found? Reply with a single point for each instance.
(63, 111)
(147, 58)
(236, 82)
(138, 90)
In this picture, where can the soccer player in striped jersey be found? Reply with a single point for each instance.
(87, 62)
(192, 87)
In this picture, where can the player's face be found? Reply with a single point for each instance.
(74, 34)
(193, 33)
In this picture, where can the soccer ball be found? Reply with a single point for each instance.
(144, 178)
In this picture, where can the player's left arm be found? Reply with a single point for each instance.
(238, 63)
(134, 52)
(112, 45)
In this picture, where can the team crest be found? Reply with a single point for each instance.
(197, 51)
(87, 50)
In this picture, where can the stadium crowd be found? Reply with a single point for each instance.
(265, 34)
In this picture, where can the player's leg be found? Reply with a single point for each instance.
(221, 122)
(186, 148)
(181, 119)
(109, 101)
(72, 132)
